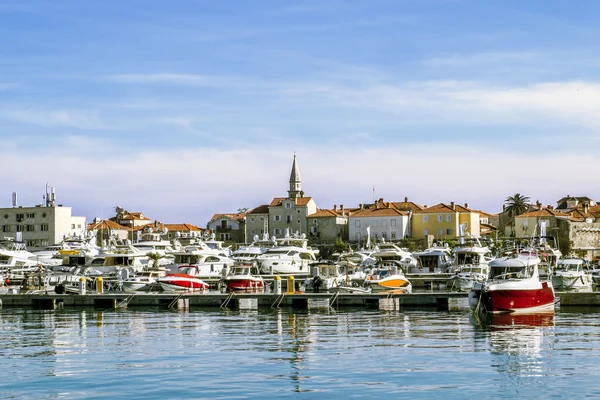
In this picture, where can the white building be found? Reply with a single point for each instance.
(382, 220)
(40, 225)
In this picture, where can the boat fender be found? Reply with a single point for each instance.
(7, 281)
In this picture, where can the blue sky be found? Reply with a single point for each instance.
(189, 108)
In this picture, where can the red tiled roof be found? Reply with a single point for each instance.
(300, 201)
(235, 216)
(325, 214)
(263, 209)
(159, 226)
(106, 224)
(407, 205)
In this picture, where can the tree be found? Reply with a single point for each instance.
(515, 205)
(243, 210)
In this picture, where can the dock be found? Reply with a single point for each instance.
(438, 300)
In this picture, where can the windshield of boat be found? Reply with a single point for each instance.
(568, 266)
(467, 258)
(516, 272)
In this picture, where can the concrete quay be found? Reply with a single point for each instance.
(437, 300)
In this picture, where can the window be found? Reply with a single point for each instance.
(298, 211)
(288, 205)
(298, 221)
(44, 215)
(262, 219)
(277, 231)
(440, 232)
(79, 226)
(357, 223)
(252, 219)
(30, 228)
(425, 232)
(5, 228)
(448, 218)
(314, 221)
(30, 215)
(384, 235)
(20, 217)
(277, 218)
(72, 226)
(439, 218)
(393, 235)
(392, 222)
(288, 218)
(424, 218)
(448, 232)
(19, 228)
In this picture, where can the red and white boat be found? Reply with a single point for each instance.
(184, 280)
(244, 276)
(513, 286)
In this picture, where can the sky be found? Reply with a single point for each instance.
(185, 109)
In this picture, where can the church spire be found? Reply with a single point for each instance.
(295, 182)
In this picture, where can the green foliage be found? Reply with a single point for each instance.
(341, 246)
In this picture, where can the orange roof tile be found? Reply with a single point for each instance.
(235, 216)
(300, 201)
(326, 213)
(263, 209)
(106, 224)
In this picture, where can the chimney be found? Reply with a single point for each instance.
(360, 206)
(389, 205)
(341, 206)
(466, 205)
(406, 199)
(334, 207)
(452, 205)
(585, 208)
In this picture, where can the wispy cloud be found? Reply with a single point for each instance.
(88, 120)
(483, 59)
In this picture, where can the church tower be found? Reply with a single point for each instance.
(295, 182)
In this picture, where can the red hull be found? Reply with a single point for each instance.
(498, 301)
(184, 281)
(244, 284)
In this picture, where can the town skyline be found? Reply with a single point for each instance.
(185, 110)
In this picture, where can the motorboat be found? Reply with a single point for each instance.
(325, 276)
(143, 281)
(388, 276)
(471, 259)
(513, 286)
(243, 276)
(571, 273)
(186, 279)
(209, 265)
(291, 255)
(434, 260)
(387, 251)
(250, 252)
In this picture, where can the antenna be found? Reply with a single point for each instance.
(14, 199)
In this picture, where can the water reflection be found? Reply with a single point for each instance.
(520, 344)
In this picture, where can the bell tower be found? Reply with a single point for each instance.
(295, 182)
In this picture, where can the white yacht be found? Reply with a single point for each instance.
(390, 252)
(254, 249)
(571, 273)
(434, 260)
(206, 264)
(472, 259)
(291, 255)
(325, 276)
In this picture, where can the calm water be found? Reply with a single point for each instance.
(154, 353)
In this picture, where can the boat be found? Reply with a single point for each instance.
(186, 279)
(571, 273)
(387, 251)
(291, 255)
(326, 275)
(513, 286)
(387, 276)
(209, 264)
(257, 248)
(434, 260)
(243, 276)
(472, 259)
(143, 280)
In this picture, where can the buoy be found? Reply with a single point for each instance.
(290, 284)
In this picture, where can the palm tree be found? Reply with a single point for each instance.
(515, 205)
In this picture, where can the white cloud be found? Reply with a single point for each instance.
(191, 184)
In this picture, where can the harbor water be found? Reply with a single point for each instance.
(328, 353)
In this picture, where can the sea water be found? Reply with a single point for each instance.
(325, 353)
